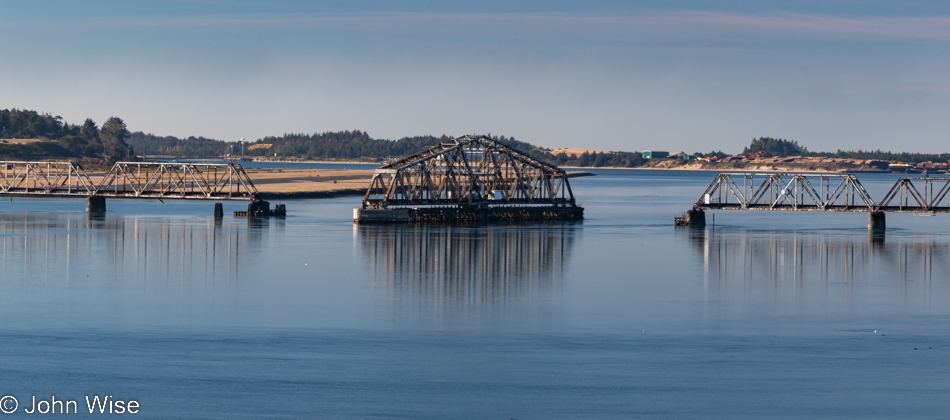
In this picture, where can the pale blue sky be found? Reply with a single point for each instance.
(607, 75)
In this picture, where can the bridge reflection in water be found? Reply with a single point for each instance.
(60, 248)
(825, 270)
(448, 270)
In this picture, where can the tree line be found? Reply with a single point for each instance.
(353, 145)
(114, 141)
(62, 140)
(782, 147)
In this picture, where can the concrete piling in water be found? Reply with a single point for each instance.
(218, 211)
(96, 204)
(261, 208)
(876, 221)
(695, 218)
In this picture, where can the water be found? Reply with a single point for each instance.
(763, 315)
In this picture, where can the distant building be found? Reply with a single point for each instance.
(653, 154)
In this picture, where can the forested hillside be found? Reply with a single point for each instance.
(782, 147)
(59, 139)
(191, 147)
(340, 145)
(350, 145)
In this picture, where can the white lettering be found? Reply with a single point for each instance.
(95, 403)
(32, 408)
(52, 406)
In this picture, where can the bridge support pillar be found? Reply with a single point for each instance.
(218, 211)
(96, 204)
(876, 221)
(695, 218)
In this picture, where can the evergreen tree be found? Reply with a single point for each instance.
(89, 130)
(775, 147)
(113, 136)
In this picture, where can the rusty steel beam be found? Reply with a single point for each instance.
(44, 178)
(786, 191)
(835, 192)
(128, 180)
(177, 180)
(905, 196)
(468, 171)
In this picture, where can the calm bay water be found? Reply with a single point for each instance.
(620, 316)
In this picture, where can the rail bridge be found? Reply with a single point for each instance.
(819, 192)
(468, 179)
(156, 180)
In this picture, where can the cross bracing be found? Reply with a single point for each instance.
(128, 180)
(822, 192)
(468, 171)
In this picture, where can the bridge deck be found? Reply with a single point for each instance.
(786, 207)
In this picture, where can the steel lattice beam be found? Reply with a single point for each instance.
(835, 192)
(44, 178)
(905, 196)
(177, 180)
(468, 171)
(797, 192)
(128, 180)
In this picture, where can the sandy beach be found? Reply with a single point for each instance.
(319, 183)
(309, 183)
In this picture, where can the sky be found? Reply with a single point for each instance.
(607, 75)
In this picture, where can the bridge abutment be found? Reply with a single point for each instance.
(96, 204)
(876, 221)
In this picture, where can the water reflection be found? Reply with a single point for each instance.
(799, 269)
(41, 248)
(450, 268)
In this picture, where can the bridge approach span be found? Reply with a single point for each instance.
(819, 192)
(161, 180)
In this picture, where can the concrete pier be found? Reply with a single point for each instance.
(695, 218)
(261, 208)
(876, 221)
(96, 204)
(218, 211)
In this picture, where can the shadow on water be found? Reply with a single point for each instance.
(445, 269)
(906, 272)
(52, 247)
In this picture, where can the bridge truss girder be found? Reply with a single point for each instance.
(128, 180)
(177, 180)
(796, 192)
(905, 196)
(40, 178)
(468, 171)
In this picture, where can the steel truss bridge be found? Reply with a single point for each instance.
(822, 192)
(468, 171)
(128, 180)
